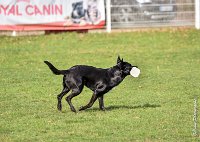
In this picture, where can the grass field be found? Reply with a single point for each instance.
(157, 106)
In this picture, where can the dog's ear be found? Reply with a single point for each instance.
(118, 60)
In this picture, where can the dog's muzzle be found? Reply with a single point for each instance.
(135, 72)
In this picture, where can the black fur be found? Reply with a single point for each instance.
(100, 81)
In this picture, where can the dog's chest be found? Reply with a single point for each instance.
(116, 78)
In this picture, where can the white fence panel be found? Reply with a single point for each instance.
(197, 14)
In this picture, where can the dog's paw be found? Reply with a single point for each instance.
(73, 109)
(81, 108)
(102, 109)
(59, 107)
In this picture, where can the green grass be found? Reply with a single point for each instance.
(157, 106)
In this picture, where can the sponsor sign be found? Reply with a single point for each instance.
(51, 14)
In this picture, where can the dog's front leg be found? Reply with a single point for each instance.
(92, 100)
(101, 103)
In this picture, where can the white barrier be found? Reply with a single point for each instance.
(197, 14)
(108, 16)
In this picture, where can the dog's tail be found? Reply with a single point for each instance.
(55, 70)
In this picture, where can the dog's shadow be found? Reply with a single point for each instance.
(115, 107)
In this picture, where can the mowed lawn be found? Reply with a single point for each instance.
(156, 106)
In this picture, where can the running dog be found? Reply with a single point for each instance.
(99, 80)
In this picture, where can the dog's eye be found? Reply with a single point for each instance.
(127, 68)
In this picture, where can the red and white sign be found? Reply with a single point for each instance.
(51, 14)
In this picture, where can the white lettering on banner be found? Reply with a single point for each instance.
(63, 14)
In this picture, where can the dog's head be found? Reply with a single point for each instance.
(125, 67)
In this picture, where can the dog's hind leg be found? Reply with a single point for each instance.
(74, 93)
(92, 100)
(76, 90)
(60, 96)
(101, 103)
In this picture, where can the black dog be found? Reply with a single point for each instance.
(100, 81)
